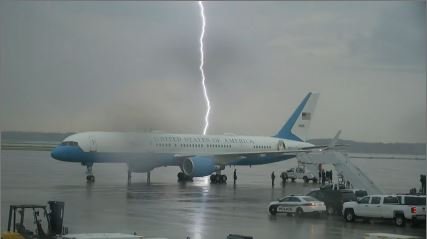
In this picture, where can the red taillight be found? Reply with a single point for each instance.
(413, 209)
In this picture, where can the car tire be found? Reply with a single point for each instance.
(330, 210)
(293, 180)
(349, 215)
(299, 212)
(273, 210)
(399, 220)
(305, 179)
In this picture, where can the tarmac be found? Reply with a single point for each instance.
(166, 208)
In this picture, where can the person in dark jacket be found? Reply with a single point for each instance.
(323, 176)
(327, 176)
(272, 178)
(423, 183)
(235, 176)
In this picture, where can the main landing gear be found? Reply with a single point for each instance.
(218, 178)
(182, 177)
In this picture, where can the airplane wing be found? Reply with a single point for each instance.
(226, 158)
(333, 144)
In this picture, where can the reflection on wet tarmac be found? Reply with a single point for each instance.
(166, 208)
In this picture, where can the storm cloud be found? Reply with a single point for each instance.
(133, 66)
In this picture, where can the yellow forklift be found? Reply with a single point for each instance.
(46, 224)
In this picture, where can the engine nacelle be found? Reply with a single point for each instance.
(199, 166)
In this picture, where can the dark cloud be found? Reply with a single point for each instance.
(132, 66)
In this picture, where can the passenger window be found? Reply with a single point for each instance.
(319, 196)
(286, 199)
(391, 200)
(375, 200)
(364, 200)
(315, 194)
(294, 199)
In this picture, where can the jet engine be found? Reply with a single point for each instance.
(199, 166)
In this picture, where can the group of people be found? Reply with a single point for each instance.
(325, 176)
(273, 177)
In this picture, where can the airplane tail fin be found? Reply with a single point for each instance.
(296, 128)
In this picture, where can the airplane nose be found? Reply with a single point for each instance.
(68, 154)
(56, 152)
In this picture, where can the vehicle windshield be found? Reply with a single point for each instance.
(348, 196)
(415, 200)
(309, 199)
(282, 199)
(361, 193)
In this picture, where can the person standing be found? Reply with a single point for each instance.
(320, 173)
(323, 176)
(235, 176)
(423, 183)
(327, 176)
(330, 174)
(272, 179)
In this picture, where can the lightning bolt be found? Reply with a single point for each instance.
(202, 62)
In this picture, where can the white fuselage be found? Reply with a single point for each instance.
(145, 151)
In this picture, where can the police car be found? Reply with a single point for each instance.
(297, 205)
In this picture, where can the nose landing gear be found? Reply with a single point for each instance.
(90, 178)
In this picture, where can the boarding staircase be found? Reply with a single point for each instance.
(343, 166)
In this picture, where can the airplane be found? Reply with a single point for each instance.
(196, 155)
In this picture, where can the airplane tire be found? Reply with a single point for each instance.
(224, 178)
(90, 178)
(213, 178)
(218, 178)
(181, 176)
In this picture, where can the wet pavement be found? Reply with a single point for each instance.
(166, 208)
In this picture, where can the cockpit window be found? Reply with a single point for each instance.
(69, 143)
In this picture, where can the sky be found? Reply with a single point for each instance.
(134, 66)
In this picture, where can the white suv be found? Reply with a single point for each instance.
(383, 207)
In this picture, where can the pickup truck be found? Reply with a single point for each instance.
(399, 208)
(417, 205)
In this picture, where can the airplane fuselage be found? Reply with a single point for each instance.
(145, 151)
